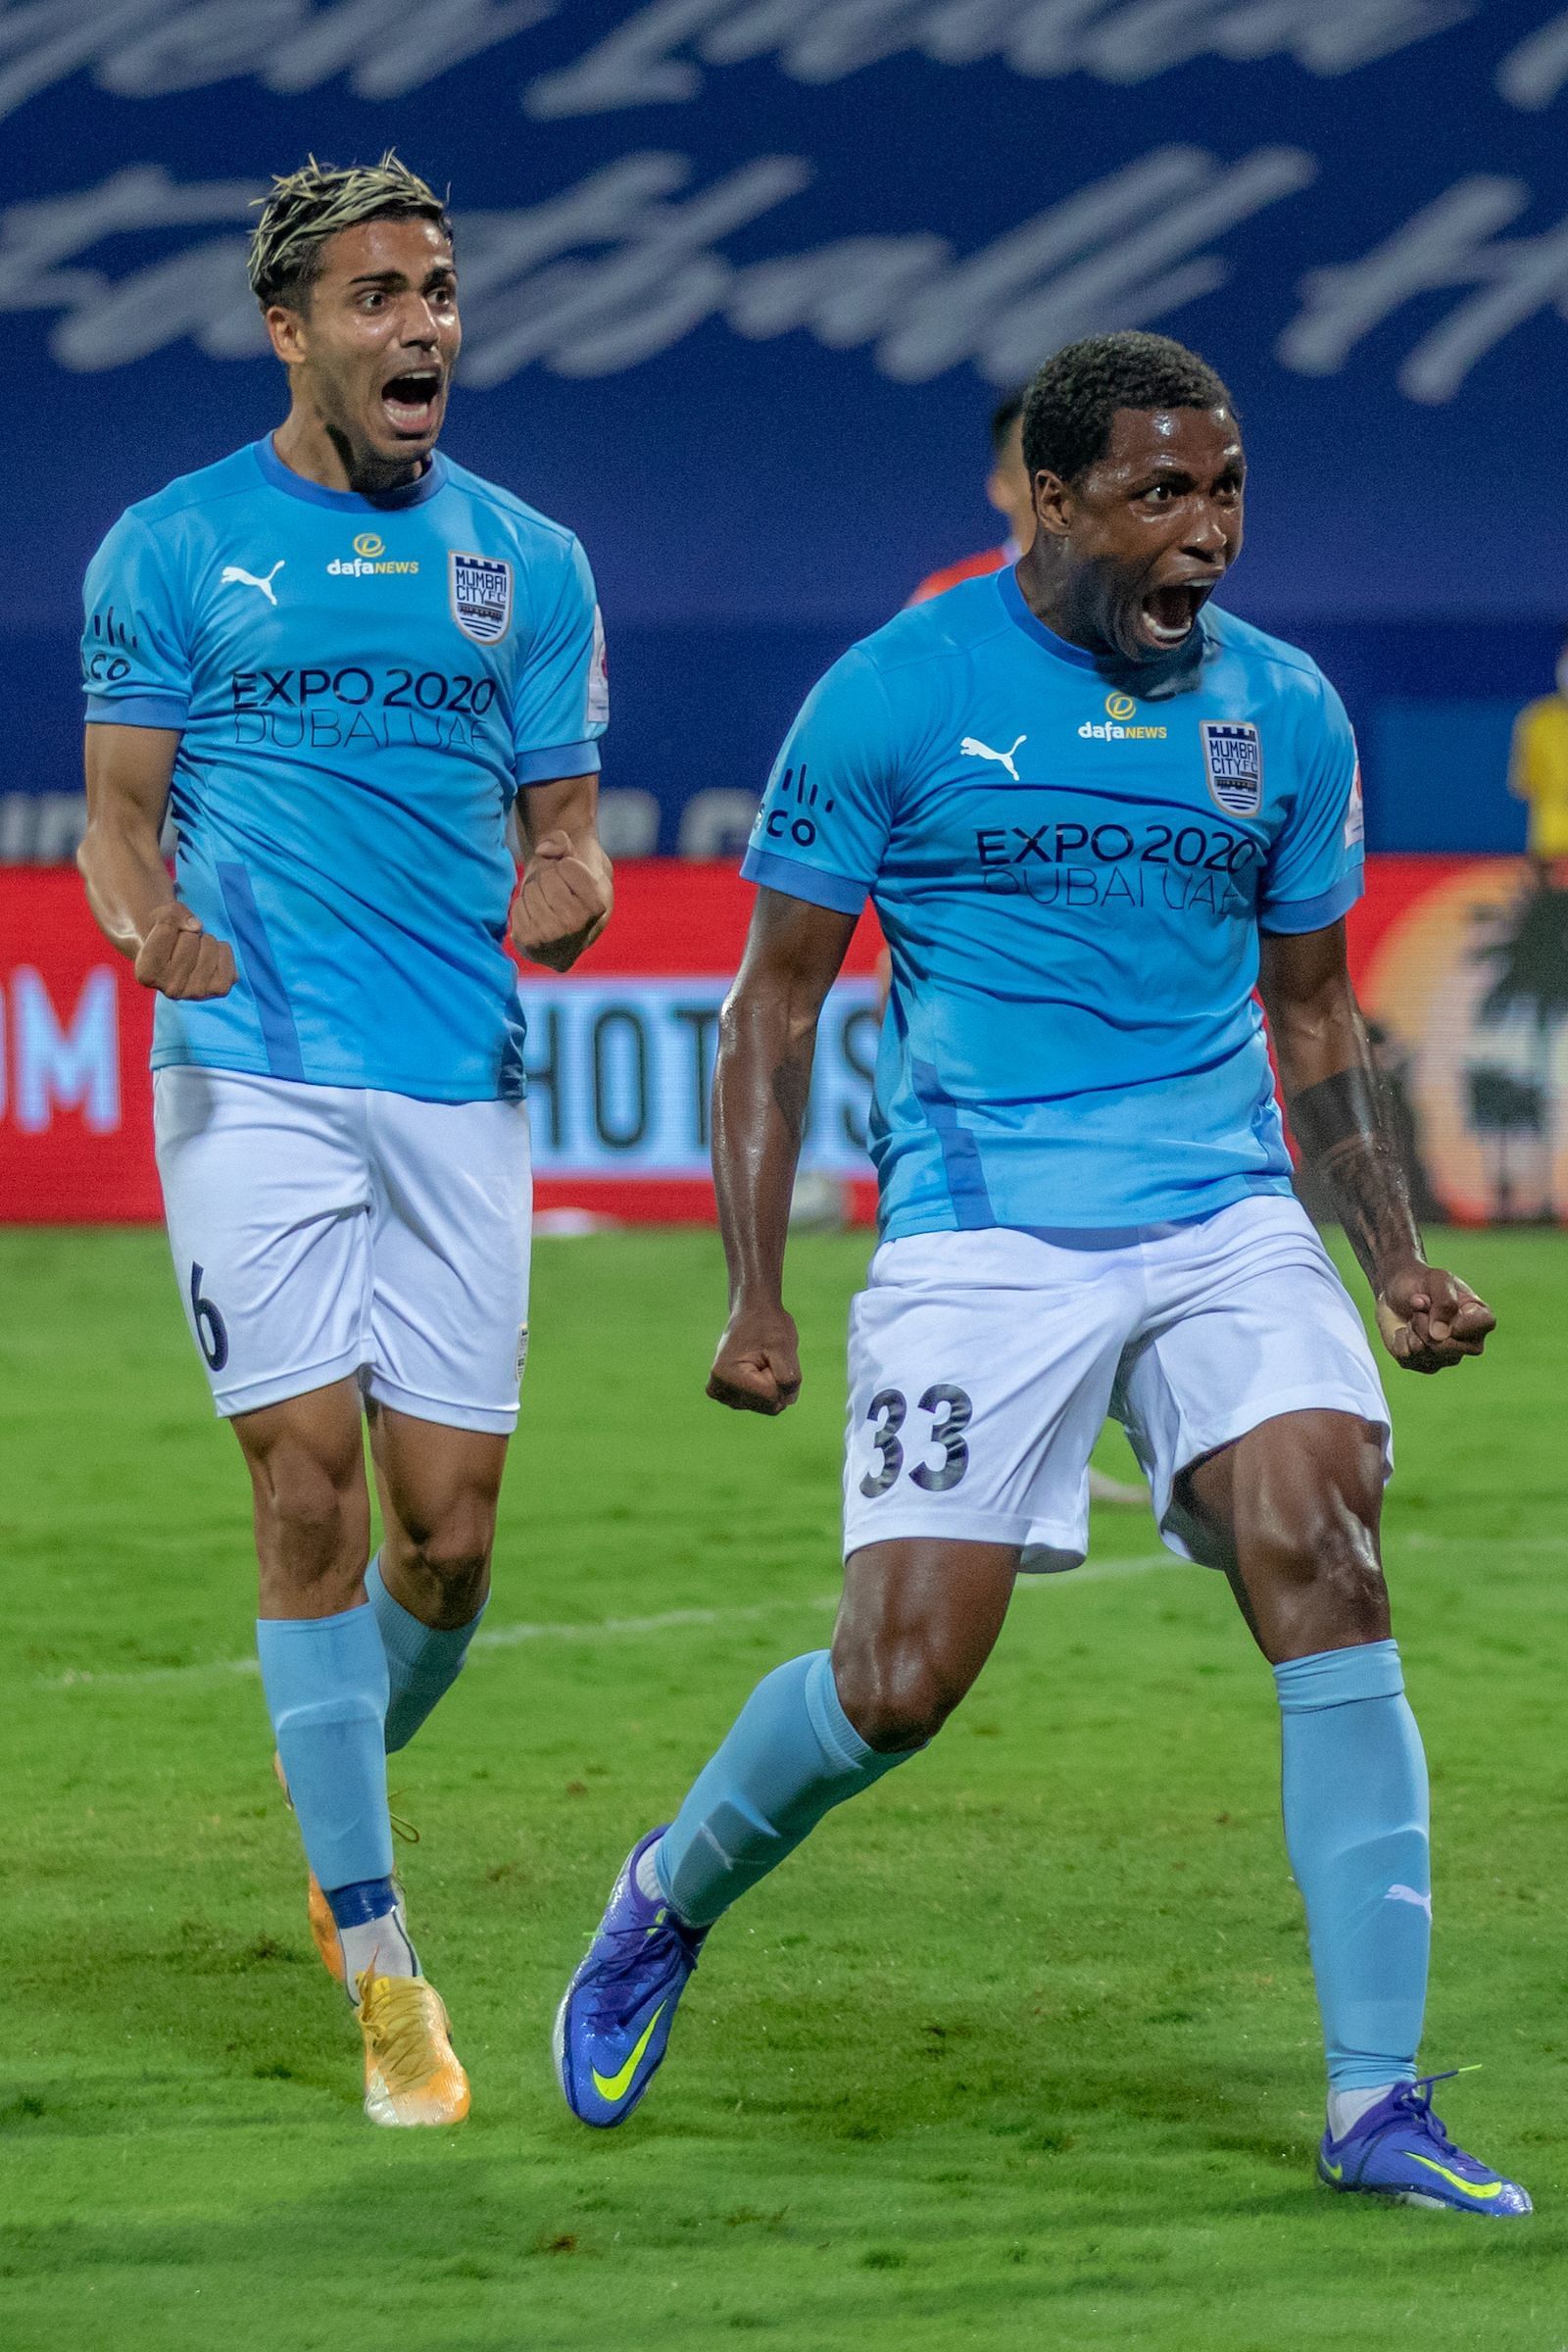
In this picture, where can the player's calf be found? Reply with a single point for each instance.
(430, 1582)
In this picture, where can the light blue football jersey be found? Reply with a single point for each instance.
(1071, 880)
(360, 687)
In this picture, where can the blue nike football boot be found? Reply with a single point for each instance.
(1399, 2149)
(612, 2026)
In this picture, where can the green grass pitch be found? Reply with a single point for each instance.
(1019, 2050)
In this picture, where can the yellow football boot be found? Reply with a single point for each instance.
(412, 2073)
(324, 1927)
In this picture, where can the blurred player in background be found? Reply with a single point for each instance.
(342, 658)
(1007, 489)
(1093, 814)
(1538, 772)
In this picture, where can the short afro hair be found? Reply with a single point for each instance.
(1068, 408)
(317, 201)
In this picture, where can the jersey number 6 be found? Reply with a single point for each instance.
(211, 1336)
(950, 1412)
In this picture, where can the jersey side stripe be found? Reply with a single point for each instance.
(960, 1152)
(279, 1033)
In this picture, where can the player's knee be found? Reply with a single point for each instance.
(305, 1510)
(897, 1695)
(450, 1550)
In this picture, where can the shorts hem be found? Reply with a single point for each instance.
(253, 1395)
(490, 1420)
(1316, 1396)
(938, 1526)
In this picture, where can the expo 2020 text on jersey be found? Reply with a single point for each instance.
(360, 687)
(1071, 879)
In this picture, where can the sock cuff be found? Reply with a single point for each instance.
(408, 1638)
(359, 1904)
(304, 1659)
(344, 1620)
(1338, 1678)
(831, 1725)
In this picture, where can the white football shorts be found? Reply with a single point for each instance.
(322, 1232)
(983, 1365)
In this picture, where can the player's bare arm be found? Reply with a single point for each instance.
(568, 887)
(129, 770)
(762, 1081)
(1429, 1319)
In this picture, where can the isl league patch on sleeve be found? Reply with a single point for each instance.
(480, 588)
(1355, 812)
(1234, 759)
(598, 715)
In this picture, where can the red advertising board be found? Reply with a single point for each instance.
(1461, 964)
(76, 1098)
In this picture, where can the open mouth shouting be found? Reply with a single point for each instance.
(412, 401)
(1167, 615)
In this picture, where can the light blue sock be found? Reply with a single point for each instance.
(422, 1662)
(325, 1684)
(791, 1755)
(1355, 1828)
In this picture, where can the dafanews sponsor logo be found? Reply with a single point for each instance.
(1119, 708)
(369, 557)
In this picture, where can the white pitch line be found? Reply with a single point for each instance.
(604, 1628)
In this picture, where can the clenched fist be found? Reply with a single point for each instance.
(1429, 1319)
(179, 959)
(757, 1366)
(563, 903)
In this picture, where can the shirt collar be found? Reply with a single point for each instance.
(1177, 673)
(349, 502)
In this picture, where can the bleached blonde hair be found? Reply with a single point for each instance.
(316, 202)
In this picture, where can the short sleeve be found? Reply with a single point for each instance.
(561, 706)
(135, 660)
(826, 814)
(1315, 869)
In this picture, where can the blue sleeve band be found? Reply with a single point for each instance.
(548, 767)
(1312, 914)
(799, 881)
(137, 710)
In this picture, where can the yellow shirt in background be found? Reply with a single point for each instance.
(1538, 772)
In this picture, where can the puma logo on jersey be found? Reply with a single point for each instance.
(973, 748)
(235, 572)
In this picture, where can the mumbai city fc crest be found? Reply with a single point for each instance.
(480, 588)
(1234, 757)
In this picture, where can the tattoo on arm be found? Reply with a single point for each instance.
(1343, 1127)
